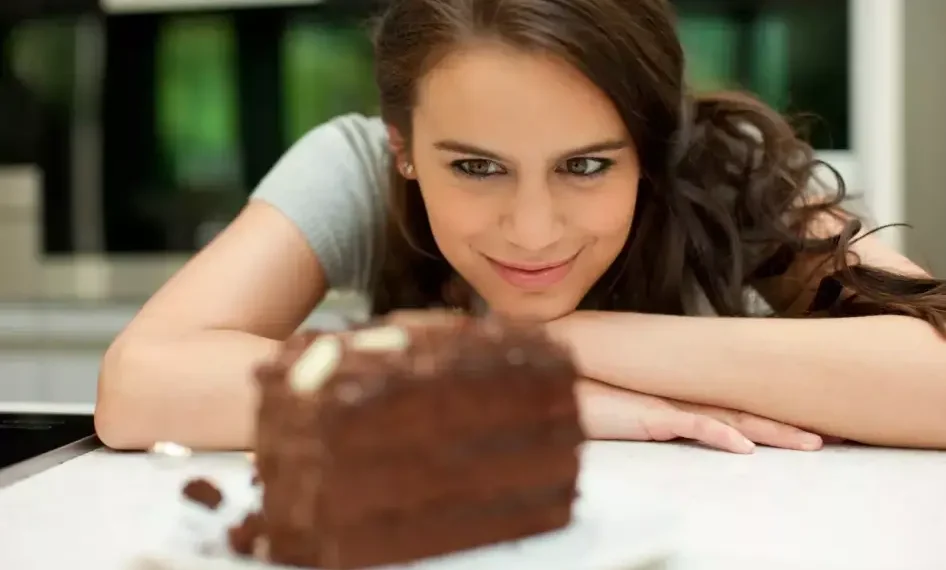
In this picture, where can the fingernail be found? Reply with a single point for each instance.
(811, 443)
(746, 446)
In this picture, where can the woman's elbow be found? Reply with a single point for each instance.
(120, 413)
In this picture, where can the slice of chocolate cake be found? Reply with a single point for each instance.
(394, 443)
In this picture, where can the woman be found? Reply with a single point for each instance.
(540, 159)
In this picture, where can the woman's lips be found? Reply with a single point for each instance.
(533, 276)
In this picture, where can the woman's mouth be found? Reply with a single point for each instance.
(533, 276)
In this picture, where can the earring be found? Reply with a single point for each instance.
(408, 169)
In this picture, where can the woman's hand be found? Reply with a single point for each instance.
(614, 413)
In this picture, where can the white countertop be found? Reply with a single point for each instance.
(64, 323)
(68, 409)
(840, 508)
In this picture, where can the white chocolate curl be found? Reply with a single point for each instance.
(316, 365)
(381, 339)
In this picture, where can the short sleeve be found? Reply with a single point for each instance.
(332, 184)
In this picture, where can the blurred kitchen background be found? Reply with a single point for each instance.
(131, 132)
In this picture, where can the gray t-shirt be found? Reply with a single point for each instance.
(333, 185)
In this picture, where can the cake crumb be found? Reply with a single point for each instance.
(170, 449)
(243, 537)
(203, 492)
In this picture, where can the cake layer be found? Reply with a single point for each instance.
(361, 371)
(302, 496)
(451, 412)
(459, 411)
(402, 488)
(447, 531)
(343, 495)
(459, 385)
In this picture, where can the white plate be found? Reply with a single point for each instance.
(614, 528)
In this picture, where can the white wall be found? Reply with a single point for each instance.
(877, 109)
(60, 376)
(925, 125)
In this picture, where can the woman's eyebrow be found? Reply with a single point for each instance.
(465, 148)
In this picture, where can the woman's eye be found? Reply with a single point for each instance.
(586, 166)
(477, 167)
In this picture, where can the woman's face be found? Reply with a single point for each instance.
(528, 175)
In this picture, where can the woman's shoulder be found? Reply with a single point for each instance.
(368, 132)
(347, 155)
(332, 184)
(352, 139)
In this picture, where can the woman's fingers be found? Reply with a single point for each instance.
(709, 431)
(761, 430)
(613, 413)
(776, 434)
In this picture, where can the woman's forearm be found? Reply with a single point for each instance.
(878, 380)
(196, 390)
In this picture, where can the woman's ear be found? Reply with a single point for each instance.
(400, 152)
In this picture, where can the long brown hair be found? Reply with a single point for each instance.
(723, 202)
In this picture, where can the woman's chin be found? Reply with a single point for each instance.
(537, 310)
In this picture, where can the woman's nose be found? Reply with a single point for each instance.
(534, 223)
